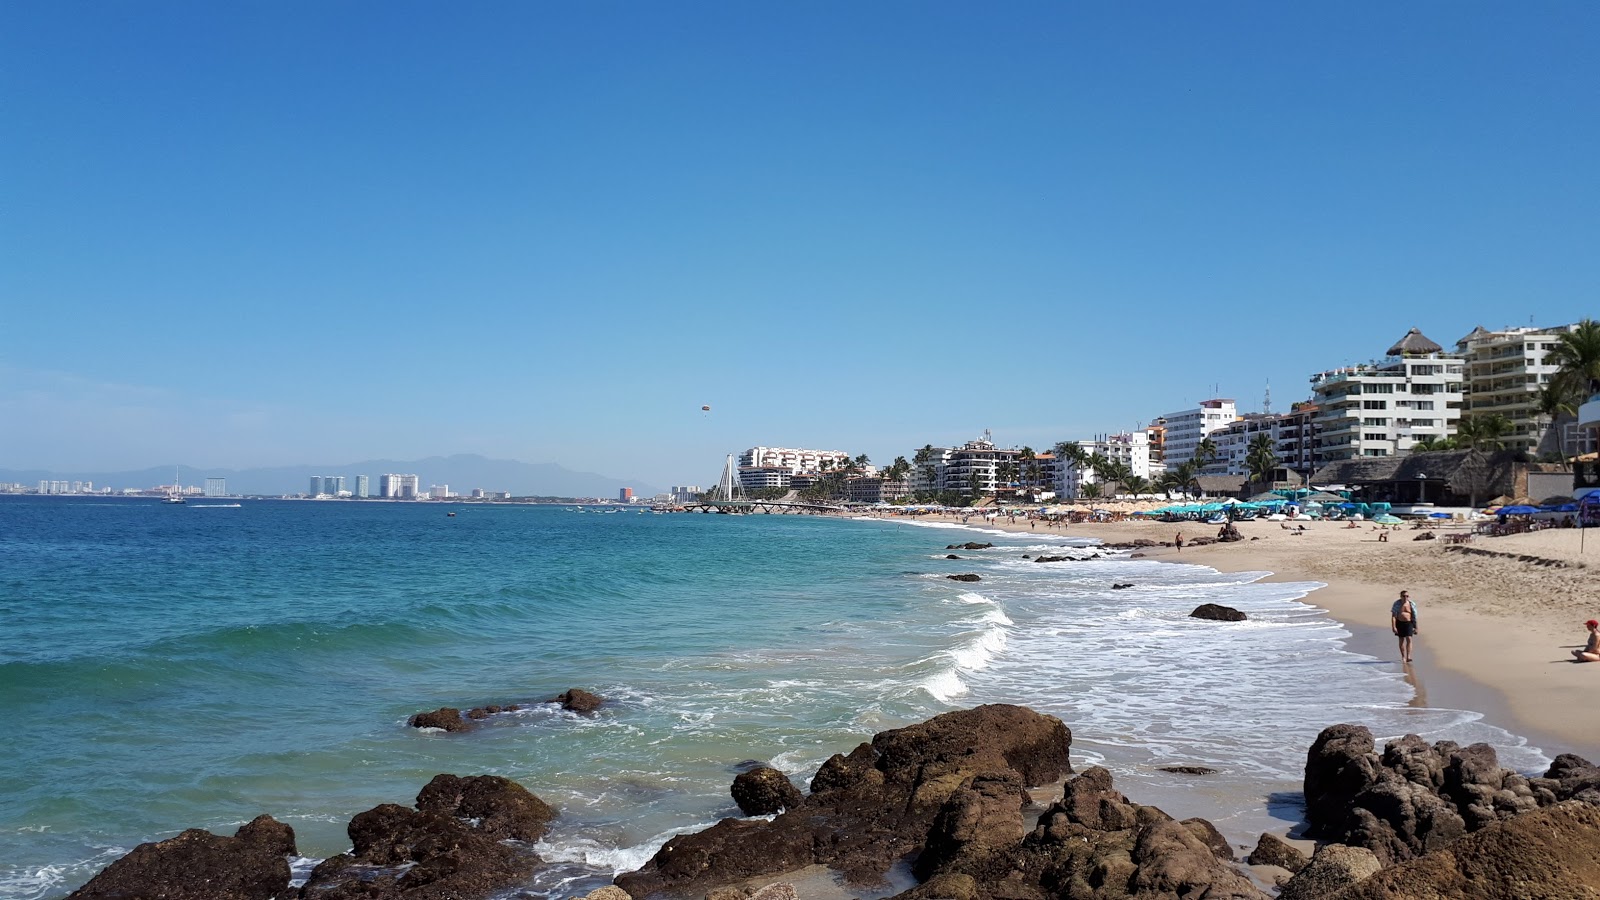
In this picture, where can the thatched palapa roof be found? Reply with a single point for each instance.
(1414, 342)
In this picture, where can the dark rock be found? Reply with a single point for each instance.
(1217, 613)
(951, 556)
(199, 865)
(1136, 556)
(1425, 536)
(1121, 587)
(765, 790)
(1272, 850)
(1208, 834)
(578, 701)
(871, 809)
(1332, 868)
(503, 809)
(969, 545)
(1050, 559)
(1548, 854)
(445, 717)
(1188, 770)
(982, 818)
(402, 853)
(1339, 765)
(965, 577)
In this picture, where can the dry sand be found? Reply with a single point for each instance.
(1496, 616)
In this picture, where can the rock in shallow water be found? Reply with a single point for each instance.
(1217, 612)
(199, 865)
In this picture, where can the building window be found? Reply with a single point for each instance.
(1374, 436)
(1374, 453)
(1374, 404)
(1378, 388)
(1374, 420)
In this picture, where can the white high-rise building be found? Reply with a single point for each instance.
(1505, 371)
(1185, 429)
(1383, 408)
(398, 487)
(363, 489)
(216, 487)
(1129, 447)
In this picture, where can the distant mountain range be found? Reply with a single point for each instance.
(462, 472)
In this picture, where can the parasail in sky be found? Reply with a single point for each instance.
(705, 409)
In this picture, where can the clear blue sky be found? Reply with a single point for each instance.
(238, 234)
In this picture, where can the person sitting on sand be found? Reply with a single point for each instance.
(1591, 650)
(1403, 622)
(1383, 537)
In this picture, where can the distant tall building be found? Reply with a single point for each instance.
(686, 493)
(316, 486)
(398, 487)
(625, 495)
(440, 492)
(333, 485)
(216, 487)
(363, 488)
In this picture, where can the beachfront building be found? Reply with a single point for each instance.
(216, 487)
(1293, 436)
(770, 468)
(972, 469)
(874, 489)
(1505, 371)
(1384, 408)
(1184, 430)
(1131, 448)
(398, 487)
(363, 487)
(686, 493)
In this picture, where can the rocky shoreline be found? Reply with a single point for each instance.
(950, 799)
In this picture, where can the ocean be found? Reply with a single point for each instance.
(170, 667)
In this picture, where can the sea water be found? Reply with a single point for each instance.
(169, 667)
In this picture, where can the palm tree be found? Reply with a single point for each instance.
(862, 462)
(1187, 475)
(1115, 473)
(1169, 482)
(1137, 485)
(1090, 491)
(975, 483)
(1074, 457)
(1431, 444)
(1006, 471)
(1576, 357)
(925, 465)
(1029, 465)
(1483, 432)
(1551, 405)
(1261, 459)
(899, 469)
(1205, 452)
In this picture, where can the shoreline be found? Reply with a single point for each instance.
(1494, 630)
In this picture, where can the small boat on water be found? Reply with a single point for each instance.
(174, 496)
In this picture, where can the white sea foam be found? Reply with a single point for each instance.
(945, 686)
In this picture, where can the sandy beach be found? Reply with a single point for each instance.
(1497, 616)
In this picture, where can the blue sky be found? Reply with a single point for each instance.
(275, 233)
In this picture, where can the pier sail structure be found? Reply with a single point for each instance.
(728, 485)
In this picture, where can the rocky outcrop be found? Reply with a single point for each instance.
(1548, 854)
(951, 556)
(763, 791)
(873, 807)
(199, 865)
(450, 846)
(1218, 613)
(1272, 850)
(968, 576)
(1122, 586)
(1332, 868)
(483, 712)
(1093, 843)
(578, 701)
(1187, 770)
(1415, 798)
(1050, 559)
(969, 545)
(447, 718)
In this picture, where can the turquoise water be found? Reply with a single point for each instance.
(175, 667)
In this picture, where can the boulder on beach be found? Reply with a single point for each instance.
(578, 701)
(1187, 770)
(763, 791)
(1415, 797)
(1332, 868)
(870, 809)
(446, 718)
(1217, 612)
(199, 865)
(1272, 850)
(500, 807)
(964, 577)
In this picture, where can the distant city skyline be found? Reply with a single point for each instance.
(556, 234)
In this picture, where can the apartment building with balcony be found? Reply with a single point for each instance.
(1184, 430)
(1129, 447)
(972, 468)
(1505, 370)
(1293, 436)
(1384, 408)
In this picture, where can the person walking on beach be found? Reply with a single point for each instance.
(1591, 650)
(1403, 622)
(1178, 541)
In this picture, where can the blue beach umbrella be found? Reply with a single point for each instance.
(1439, 515)
(1518, 510)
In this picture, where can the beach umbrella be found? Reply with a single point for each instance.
(1520, 509)
(1439, 516)
(1386, 520)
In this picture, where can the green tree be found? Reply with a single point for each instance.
(1090, 491)
(926, 467)
(1006, 471)
(1433, 444)
(1483, 432)
(1137, 485)
(1261, 459)
(1205, 452)
(1576, 357)
(975, 483)
(1029, 466)
(898, 470)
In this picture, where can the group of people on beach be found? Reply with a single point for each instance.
(1403, 623)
